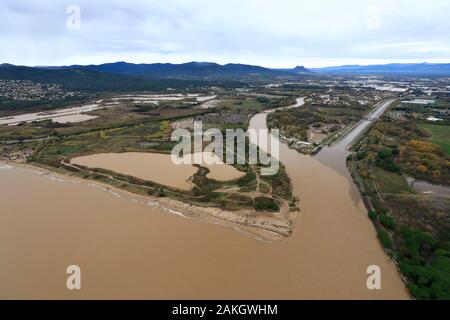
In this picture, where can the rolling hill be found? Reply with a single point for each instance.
(74, 78)
(190, 70)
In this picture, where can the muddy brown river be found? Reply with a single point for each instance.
(127, 248)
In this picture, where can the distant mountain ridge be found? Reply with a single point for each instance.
(157, 76)
(123, 76)
(411, 69)
(190, 70)
(88, 80)
(211, 70)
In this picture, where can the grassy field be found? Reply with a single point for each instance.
(440, 135)
(390, 182)
(241, 105)
(22, 132)
(253, 105)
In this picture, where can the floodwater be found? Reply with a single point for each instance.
(428, 188)
(156, 167)
(336, 155)
(66, 115)
(128, 249)
(158, 98)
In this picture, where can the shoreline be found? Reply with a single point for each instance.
(258, 225)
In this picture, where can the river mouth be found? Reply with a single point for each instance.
(340, 222)
(133, 249)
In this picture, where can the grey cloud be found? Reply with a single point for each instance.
(271, 33)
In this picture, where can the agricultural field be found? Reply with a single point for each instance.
(252, 105)
(440, 134)
(389, 182)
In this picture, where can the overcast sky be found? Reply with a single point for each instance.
(276, 33)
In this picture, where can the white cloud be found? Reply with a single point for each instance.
(374, 19)
(282, 33)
